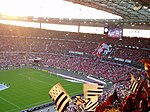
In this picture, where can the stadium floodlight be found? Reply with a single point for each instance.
(137, 6)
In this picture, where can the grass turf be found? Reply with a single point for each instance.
(29, 88)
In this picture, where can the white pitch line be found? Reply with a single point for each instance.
(10, 102)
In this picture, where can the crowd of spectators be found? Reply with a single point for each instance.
(129, 54)
(21, 45)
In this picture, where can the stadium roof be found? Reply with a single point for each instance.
(129, 10)
(135, 14)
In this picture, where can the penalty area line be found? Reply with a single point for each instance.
(10, 102)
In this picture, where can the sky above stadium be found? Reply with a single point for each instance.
(51, 8)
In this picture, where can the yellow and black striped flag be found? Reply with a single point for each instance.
(91, 94)
(92, 90)
(60, 97)
(78, 100)
(134, 84)
(90, 106)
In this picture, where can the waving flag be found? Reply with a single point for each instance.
(99, 50)
(90, 106)
(102, 48)
(134, 84)
(60, 97)
(78, 100)
(112, 98)
(91, 94)
(92, 90)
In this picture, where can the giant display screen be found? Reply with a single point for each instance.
(115, 32)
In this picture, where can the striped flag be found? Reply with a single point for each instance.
(134, 84)
(91, 106)
(91, 94)
(60, 97)
(92, 90)
(78, 100)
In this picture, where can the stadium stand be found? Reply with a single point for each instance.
(74, 52)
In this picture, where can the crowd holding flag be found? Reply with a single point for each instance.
(89, 102)
(92, 92)
(138, 94)
(109, 103)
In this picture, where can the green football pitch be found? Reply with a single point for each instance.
(29, 88)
